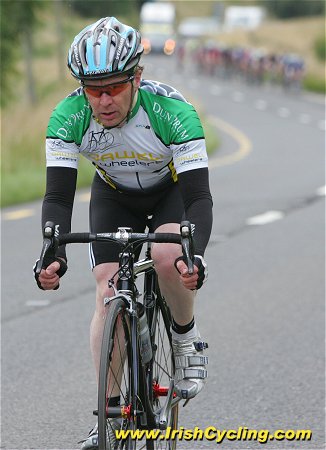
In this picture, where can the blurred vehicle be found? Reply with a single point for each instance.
(157, 27)
(246, 17)
(197, 27)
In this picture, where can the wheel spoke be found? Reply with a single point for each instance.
(162, 370)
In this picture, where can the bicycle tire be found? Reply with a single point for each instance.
(162, 367)
(116, 378)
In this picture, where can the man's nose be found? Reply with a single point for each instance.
(105, 99)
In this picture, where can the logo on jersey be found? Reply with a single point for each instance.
(172, 119)
(64, 132)
(143, 126)
(127, 158)
(55, 143)
(101, 141)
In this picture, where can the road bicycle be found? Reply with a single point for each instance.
(137, 361)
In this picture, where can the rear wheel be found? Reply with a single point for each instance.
(116, 378)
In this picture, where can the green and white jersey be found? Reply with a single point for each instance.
(162, 138)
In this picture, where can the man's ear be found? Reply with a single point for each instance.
(137, 78)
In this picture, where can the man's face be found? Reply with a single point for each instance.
(111, 98)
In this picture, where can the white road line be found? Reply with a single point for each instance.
(38, 303)
(322, 125)
(321, 191)
(216, 90)
(283, 112)
(267, 217)
(261, 104)
(305, 118)
(238, 96)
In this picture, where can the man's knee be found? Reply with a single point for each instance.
(103, 273)
(164, 256)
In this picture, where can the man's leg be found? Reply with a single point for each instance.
(188, 348)
(179, 299)
(102, 272)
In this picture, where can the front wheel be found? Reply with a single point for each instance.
(116, 379)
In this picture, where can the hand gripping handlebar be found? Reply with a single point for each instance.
(52, 239)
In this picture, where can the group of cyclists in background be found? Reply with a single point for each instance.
(250, 65)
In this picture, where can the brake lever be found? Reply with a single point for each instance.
(187, 245)
(50, 245)
(47, 243)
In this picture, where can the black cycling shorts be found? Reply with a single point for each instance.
(110, 209)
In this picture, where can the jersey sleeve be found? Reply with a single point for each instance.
(61, 154)
(190, 155)
(187, 140)
(65, 131)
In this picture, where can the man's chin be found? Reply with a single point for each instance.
(110, 122)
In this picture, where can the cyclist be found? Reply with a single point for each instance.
(148, 148)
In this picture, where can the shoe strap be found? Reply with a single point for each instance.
(190, 361)
(194, 373)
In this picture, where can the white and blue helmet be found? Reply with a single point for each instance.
(103, 49)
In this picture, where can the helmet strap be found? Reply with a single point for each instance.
(132, 98)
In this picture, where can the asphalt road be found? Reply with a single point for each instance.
(262, 310)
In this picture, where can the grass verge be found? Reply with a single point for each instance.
(314, 84)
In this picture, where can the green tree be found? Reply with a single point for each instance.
(8, 48)
(320, 48)
(18, 20)
(99, 8)
(285, 9)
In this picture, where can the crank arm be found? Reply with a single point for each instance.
(162, 419)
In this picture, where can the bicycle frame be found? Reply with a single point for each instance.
(143, 393)
(126, 289)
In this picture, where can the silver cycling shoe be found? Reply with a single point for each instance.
(91, 442)
(190, 371)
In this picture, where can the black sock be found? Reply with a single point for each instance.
(182, 329)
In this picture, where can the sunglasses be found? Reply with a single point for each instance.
(112, 89)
